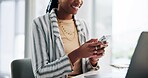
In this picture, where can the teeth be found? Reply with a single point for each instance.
(76, 7)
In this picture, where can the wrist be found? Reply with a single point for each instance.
(73, 56)
(93, 62)
(94, 65)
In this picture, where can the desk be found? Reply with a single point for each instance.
(113, 73)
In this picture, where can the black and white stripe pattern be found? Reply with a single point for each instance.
(48, 7)
(48, 57)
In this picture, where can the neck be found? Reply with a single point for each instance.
(61, 14)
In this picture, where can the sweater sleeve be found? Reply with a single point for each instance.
(42, 65)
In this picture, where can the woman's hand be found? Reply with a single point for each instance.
(84, 51)
(87, 49)
(100, 50)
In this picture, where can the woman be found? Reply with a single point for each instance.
(60, 47)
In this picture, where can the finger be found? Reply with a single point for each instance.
(105, 45)
(100, 41)
(93, 44)
(100, 52)
(105, 42)
(100, 55)
(90, 49)
(101, 48)
(92, 40)
(93, 50)
(93, 56)
(94, 47)
(96, 52)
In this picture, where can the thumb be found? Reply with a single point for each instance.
(92, 40)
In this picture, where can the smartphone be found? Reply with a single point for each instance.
(104, 38)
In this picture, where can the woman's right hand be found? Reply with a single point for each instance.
(84, 51)
(87, 49)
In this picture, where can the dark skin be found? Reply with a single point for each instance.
(66, 10)
(87, 51)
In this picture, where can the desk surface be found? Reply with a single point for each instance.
(114, 73)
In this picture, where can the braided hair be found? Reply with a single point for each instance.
(52, 4)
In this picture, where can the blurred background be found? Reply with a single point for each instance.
(124, 20)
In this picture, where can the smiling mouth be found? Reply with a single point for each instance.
(75, 7)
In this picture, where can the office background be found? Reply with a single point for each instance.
(124, 20)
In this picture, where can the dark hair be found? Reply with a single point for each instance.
(52, 4)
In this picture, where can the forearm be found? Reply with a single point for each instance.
(73, 56)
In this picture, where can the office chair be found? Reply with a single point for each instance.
(21, 68)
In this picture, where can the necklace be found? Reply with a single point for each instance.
(66, 27)
(67, 32)
(69, 37)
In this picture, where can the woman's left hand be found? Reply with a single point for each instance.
(98, 53)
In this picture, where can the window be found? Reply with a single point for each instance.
(129, 20)
(41, 6)
(124, 21)
(102, 25)
(11, 33)
(102, 17)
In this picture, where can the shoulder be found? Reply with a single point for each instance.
(41, 21)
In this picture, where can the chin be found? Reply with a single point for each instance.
(74, 13)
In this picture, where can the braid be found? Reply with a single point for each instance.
(52, 4)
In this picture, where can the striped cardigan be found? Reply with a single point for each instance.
(48, 57)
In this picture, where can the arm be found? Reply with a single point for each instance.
(43, 65)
